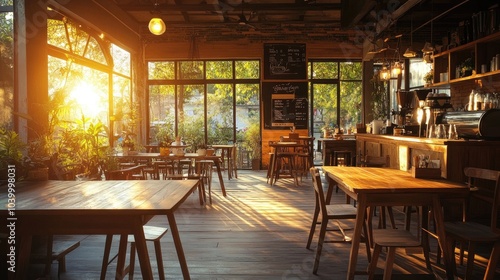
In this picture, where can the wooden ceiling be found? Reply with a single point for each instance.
(328, 21)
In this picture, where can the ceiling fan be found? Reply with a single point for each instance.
(242, 19)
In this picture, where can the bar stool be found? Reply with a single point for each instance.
(342, 158)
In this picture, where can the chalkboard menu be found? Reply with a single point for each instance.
(285, 62)
(285, 105)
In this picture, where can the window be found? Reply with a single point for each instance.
(212, 101)
(336, 90)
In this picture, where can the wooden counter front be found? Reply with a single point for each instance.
(454, 155)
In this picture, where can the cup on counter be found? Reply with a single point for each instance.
(432, 131)
(452, 133)
(440, 131)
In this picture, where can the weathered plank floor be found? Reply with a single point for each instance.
(257, 232)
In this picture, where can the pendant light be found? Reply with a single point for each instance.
(410, 53)
(156, 25)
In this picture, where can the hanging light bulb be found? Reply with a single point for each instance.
(409, 53)
(384, 74)
(157, 26)
(396, 69)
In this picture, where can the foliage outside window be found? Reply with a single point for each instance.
(336, 88)
(6, 63)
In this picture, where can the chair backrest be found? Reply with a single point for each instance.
(318, 190)
(477, 180)
(373, 161)
(124, 174)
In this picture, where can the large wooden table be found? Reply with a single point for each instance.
(392, 187)
(94, 207)
(152, 156)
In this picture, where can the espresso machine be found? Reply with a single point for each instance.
(404, 118)
(479, 125)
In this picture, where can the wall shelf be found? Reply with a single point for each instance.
(481, 51)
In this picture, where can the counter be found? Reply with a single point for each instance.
(454, 155)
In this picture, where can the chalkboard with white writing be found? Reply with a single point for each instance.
(285, 62)
(285, 105)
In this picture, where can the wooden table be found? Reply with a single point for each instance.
(94, 207)
(151, 156)
(228, 151)
(392, 187)
(281, 148)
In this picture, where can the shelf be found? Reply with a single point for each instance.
(481, 51)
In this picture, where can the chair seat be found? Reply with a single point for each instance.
(395, 238)
(341, 211)
(151, 233)
(471, 231)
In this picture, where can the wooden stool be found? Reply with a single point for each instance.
(152, 234)
(342, 158)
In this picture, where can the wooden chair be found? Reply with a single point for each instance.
(374, 161)
(471, 233)
(204, 168)
(52, 249)
(153, 234)
(328, 212)
(130, 173)
(175, 171)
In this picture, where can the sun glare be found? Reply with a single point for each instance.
(87, 97)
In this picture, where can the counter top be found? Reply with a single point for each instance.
(434, 141)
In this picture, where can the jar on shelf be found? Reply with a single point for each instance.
(470, 106)
(478, 100)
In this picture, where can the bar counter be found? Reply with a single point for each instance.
(454, 155)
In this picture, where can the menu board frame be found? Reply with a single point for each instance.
(286, 104)
(285, 61)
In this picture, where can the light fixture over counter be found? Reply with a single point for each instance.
(156, 24)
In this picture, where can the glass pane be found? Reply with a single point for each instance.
(7, 67)
(351, 71)
(121, 104)
(324, 107)
(163, 70)
(418, 69)
(325, 70)
(248, 124)
(121, 60)
(219, 70)
(161, 111)
(191, 70)
(220, 113)
(350, 104)
(247, 69)
(190, 102)
(80, 42)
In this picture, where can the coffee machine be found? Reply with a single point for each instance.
(404, 118)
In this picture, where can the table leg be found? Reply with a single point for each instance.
(221, 179)
(356, 237)
(142, 252)
(449, 259)
(24, 258)
(178, 246)
(122, 253)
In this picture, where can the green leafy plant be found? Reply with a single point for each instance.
(429, 77)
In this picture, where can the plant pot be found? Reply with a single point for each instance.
(164, 151)
(256, 164)
(201, 152)
(210, 152)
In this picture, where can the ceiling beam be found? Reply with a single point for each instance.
(217, 8)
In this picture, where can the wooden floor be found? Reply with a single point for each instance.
(257, 232)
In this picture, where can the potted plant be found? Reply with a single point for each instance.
(466, 67)
(11, 153)
(164, 138)
(201, 149)
(429, 77)
(252, 141)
